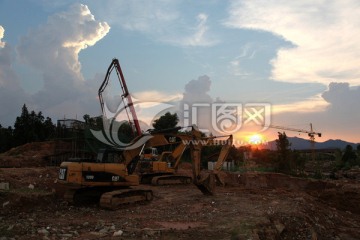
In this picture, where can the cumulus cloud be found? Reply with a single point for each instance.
(342, 98)
(197, 90)
(195, 106)
(53, 48)
(324, 35)
(12, 95)
(335, 115)
(61, 39)
(159, 20)
(2, 31)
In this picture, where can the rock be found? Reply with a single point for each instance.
(31, 186)
(100, 224)
(279, 227)
(151, 232)
(104, 230)
(97, 234)
(4, 186)
(118, 233)
(85, 224)
(6, 203)
(43, 231)
(65, 235)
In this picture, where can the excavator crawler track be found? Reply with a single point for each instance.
(171, 180)
(114, 199)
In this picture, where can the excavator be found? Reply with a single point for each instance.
(162, 169)
(113, 177)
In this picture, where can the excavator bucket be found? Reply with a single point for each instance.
(219, 180)
(207, 184)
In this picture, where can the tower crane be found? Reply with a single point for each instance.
(310, 133)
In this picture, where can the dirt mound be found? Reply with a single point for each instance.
(341, 194)
(28, 187)
(255, 206)
(34, 154)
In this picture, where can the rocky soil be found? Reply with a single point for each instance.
(250, 206)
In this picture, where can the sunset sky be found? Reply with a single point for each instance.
(301, 58)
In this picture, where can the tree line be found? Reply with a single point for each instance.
(32, 126)
(28, 127)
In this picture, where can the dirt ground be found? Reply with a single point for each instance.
(250, 206)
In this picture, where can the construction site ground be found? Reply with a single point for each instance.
(250, 206)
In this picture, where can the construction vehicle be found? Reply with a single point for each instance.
(112, 177)
(109, 176)
(162, 169)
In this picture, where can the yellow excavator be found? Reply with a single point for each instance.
(113, 178)
(109, 176)
(162, 168)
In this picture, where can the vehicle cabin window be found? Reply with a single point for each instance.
(114, 158)
(148, 151)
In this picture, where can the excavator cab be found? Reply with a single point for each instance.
(150, 154)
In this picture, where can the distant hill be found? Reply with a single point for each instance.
(300, 143)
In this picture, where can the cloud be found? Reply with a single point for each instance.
(53, 48)
(195, 107)
(12, 95)
(150, 105)
(199, 37)
(314, 104)
(196, 91)
(324, 35)
(143, 16)
(2, 31)
(342, 98)
(61, 39)
(334, 113)
(156, 96)
(159, 20)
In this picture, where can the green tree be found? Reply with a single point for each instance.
(349, 157)
(283, 149)
(30, 127)
(49, 129)
(22, 129)
(166, 121)
(6, 138)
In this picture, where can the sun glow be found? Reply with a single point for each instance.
(256, 139)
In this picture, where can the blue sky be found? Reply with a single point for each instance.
(299, 57)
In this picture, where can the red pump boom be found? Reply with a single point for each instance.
(116, 65)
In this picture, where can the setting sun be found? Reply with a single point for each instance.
(256, 139)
